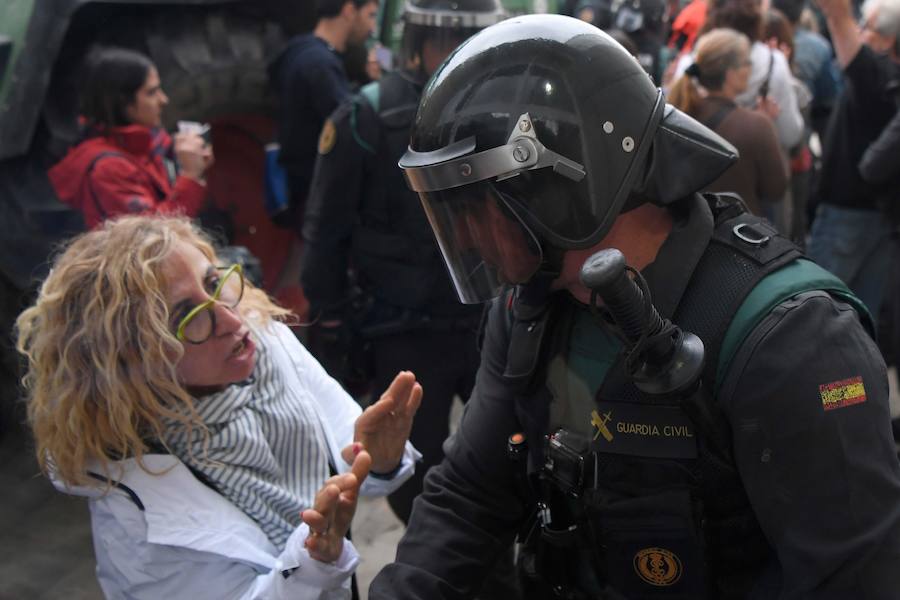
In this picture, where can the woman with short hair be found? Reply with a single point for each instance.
(168, 390)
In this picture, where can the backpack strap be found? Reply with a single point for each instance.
(369, 93)
(121, 486)
(717, 117)
(372, 93)
(743, 250)
(764, 88)
(795, 278)
(90, 169)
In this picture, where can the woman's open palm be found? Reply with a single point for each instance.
(383, 428)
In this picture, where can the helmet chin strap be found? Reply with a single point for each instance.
(535, 290)
(552, 264)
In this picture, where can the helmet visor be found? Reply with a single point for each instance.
(483, 241)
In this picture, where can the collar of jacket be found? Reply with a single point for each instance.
(134, 139)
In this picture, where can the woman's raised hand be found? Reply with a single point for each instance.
(384, 427)
(329, 518)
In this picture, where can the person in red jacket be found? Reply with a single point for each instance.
(124, 164)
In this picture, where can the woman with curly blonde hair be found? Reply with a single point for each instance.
(219, 458)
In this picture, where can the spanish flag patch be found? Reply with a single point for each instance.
(839, 394)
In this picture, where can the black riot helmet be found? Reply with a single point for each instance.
(454, 20)
(532, 138)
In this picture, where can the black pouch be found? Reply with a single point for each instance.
(651, 547)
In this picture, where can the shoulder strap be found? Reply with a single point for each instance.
(743, 250)
(369, 94)
(372, 93)
(795, 278)
(764, 88)
(716, 119)
(106, 153)
(118, 484)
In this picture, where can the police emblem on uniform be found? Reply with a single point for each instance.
(600, 423)
(657, 566)
(327, 137)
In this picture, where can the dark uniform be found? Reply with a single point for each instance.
(776, 477)
(311, 82)
(807, 402)
(361, 213)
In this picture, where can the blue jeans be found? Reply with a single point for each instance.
(854, 245)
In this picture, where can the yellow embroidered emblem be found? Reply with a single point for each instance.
(327, 137)
(657, 566)
(839, 394)
(600, 423)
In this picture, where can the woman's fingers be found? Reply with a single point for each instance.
(374, 414)
(402, 398)
(395, 399)
(349, 452)
(415, 400)
(319, 516)
(360, 467)
(400, 387)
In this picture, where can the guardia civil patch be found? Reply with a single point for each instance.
(327, 137)
(839, 394)
(643, 430)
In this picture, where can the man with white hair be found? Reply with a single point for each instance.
(850, 233)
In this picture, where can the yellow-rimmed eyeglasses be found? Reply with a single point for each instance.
(199, 323)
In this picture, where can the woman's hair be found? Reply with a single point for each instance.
(101, 355)
(744, 16)
(717, 51)
(112, 77)
(779, 27)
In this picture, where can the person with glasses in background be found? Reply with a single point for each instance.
(219, 458)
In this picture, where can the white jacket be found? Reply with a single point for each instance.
(186, 541)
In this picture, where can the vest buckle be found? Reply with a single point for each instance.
(756, 238)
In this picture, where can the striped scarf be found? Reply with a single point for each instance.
(267, 451)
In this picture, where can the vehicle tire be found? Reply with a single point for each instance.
(213, 62)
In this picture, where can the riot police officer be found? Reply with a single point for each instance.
(360, 214)
(770, 473)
